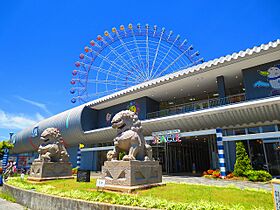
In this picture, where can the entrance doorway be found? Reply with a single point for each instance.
(192, 154)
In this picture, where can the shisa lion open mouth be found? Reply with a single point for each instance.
(118, 124)
(44, 139)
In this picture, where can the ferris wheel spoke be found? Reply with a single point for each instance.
(147, 52)
(108, 61)
(129, 54)
(121, 58)
(103, 58)
(138, 51)
(111, 82)
(173, 62)
(113, 63)
(119, 76)
(101, 93)
(127, 50)
(158, 45)
(127, 57)
(170, 48)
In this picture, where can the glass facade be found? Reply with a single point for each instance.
(250, 130)
(191, 155)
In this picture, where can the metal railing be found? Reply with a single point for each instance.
(197, 105)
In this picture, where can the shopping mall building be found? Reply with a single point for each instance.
(236, 94)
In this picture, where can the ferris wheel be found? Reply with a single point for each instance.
(128, 56)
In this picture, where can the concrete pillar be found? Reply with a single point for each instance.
(221, 86)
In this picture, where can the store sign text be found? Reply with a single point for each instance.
(166, 136)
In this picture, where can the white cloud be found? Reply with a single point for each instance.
(35, 103)
(17, 121)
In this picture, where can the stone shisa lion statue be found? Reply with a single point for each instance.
(53, 161)
(129, 138)
(137, 169)
(53, 149)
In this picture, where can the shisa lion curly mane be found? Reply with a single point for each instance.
(54, 150)
(136, 123)
(129, 138)
(54, 132)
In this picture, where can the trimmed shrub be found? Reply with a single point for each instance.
(261, 176)
(242, 164)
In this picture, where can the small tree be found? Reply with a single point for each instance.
(242, 163)
(3, 145)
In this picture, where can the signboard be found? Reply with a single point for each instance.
(100, 183)
(35, 132)
(276, 193)
(83, 175)
(166, 136)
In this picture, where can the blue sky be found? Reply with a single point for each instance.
(41, 40)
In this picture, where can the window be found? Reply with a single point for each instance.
(268, 128)
(240, 131)
(230, 132)
(253, 130)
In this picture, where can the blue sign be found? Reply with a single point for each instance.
(35, 132)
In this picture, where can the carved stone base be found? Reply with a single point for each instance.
(131, 173)
(130, 189)
(41, 171)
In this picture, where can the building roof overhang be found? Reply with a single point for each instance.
(249, 113)
(203, 74)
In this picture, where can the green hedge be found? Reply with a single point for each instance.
(261, 176)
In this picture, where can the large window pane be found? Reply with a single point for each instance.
(257, 154)
(273, 157)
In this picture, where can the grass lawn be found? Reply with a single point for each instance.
(171, 196)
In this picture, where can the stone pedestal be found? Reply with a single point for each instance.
(41, 171)
(131, 175)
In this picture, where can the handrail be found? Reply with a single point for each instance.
(197, 105)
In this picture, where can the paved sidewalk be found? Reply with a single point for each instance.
(217, 182)
(205, 181)
(7, 205)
